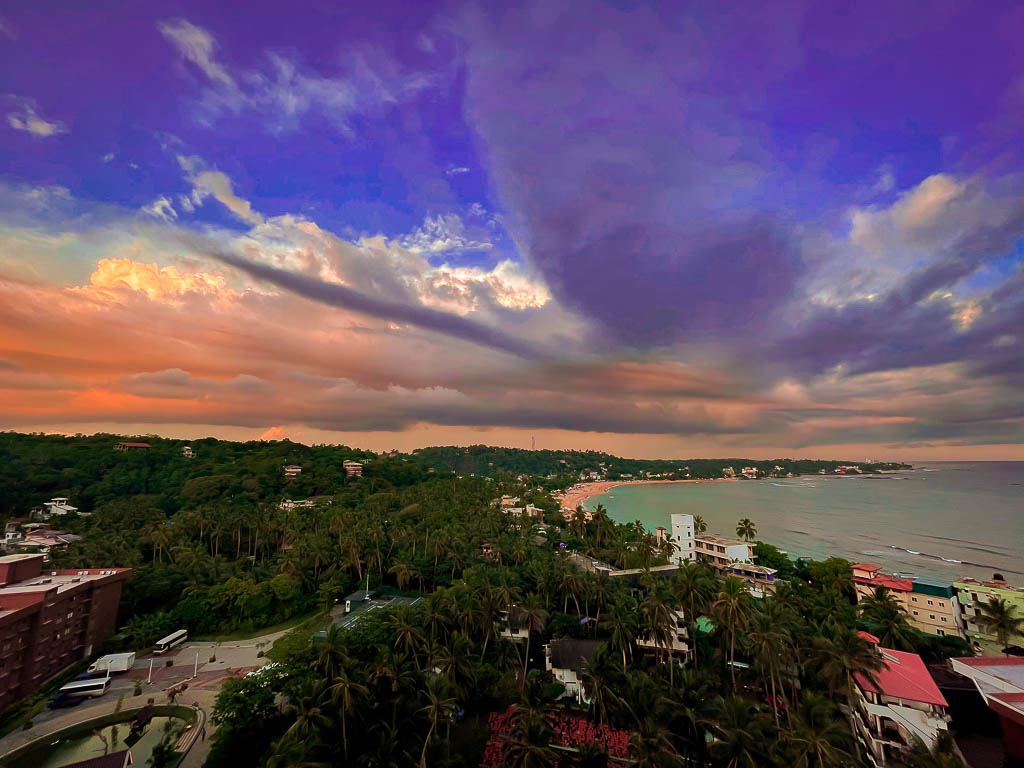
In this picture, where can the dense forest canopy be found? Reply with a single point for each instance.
(435, 683)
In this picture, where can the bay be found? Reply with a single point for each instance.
(967, 511)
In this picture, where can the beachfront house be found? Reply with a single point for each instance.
(292, 470)
(352, 468)
(902, 705)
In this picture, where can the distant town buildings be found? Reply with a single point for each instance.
(900, 706)
(749, 472)
(728, 472)
(50, 620)
(123, 446)
(352, 468)
(57, 506)
(187, 452)
(292, 470)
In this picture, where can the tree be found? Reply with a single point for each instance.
(888, 620)
(529, 745)
(1001, 619)
(699, 525)
(345, 691)
(840, 659)
(532, 618)
(439, 703)
(767, 642)
(746, 529)
(817, 737)
(693, 587)
(733, 609)
(620, 622)
(651, 747)
(740, 734)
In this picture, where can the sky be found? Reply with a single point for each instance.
(660, 230)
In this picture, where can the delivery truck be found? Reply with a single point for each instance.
(114, 662)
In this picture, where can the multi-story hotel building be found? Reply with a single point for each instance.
(931, 605)
(732, 557)
(971, 594)
(51, 619)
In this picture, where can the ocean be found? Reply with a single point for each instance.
(905, 522)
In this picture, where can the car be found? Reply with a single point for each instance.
(62, 702)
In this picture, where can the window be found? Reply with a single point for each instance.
(941, 633)
(914, 599)
(915, 613)
(931, 603)
(943, 618)
(931, 615)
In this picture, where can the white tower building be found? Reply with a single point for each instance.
(683, 538)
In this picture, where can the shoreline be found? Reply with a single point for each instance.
(576, 498)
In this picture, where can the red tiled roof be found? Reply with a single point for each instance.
(903, 676)
(889, 582)
(992, 661)
(866, 567)
(869, 637)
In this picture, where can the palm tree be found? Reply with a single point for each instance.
(840, 659)
(733, 609)
(888, 619)
(408, 637)
(620, 621)
(700, 525)
(529, 745)
(818, 738)
(694, 587)
(1001, 619)
(439, 703)
(746, 529)
(604, 528)
(345, 691)
(578, 522)
(658, 622)
(651, 747)
(308, 712)
(532, 618)
(767, 643)
(598, 678)
(739, 732)
(456, 664)
(331, 657)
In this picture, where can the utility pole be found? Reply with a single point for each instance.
(195, 672)
(150, 678)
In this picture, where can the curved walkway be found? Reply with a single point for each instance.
(85, 712)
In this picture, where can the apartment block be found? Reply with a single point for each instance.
(50, 619)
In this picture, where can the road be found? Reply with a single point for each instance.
(233, 658)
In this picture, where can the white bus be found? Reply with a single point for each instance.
(173, 639)
(85, 688)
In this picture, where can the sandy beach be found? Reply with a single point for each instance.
(577, 497)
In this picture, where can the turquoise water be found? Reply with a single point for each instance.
(972, 512)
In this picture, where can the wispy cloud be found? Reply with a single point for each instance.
(29, 120)
(197, 46)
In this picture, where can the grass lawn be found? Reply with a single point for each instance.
(299, 639)
(249, 635)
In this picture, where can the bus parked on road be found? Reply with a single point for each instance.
(172, 640)
(85, 688)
